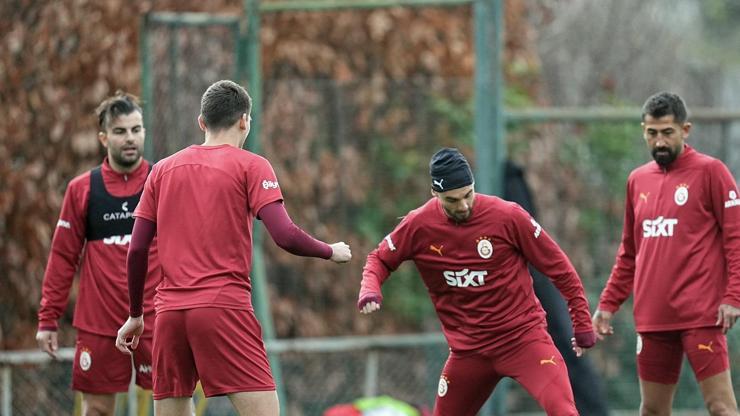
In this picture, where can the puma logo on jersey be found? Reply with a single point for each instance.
(117, 240)
(465, 278)
(438, 183)
(659, 227)
(437, 250)
(63, 224)
(550, 360)
(644, 196)
(706, 347)
(145, 369)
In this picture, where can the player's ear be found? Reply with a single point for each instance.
(201, 123)
(103, 138)
(244, 121)
(686, 129)
(434, 193)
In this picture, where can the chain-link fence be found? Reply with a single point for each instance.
(319, 373)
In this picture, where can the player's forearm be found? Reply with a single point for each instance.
(374, 274)
(289, 236)
(58, 279)
(137, 263)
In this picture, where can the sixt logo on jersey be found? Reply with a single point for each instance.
(465, 278)
(659, 227)
(270, 184)
(117, 240)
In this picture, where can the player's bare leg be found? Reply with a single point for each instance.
(657, 398)
(256, 403)
(718, 395)
(98, 404)
(174, 406)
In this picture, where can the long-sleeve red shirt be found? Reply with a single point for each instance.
(476, 271)
(102, 301)
(680, 249)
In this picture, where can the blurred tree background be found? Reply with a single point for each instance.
(355, 102)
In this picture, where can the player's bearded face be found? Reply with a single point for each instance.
(458, 203)
(125, 139)
(665, 138)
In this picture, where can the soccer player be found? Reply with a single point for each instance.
(92, 237)
(680, 254)
(472, 252)
(201, 203)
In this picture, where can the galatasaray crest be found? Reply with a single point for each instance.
(681, 195)
(485, 248)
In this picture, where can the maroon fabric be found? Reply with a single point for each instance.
(289, 236)
(680, 250)
(138, 261)
(102, 303)
(476, 271)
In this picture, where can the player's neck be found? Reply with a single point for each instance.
(221, 138)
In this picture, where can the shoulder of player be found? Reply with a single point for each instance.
(495, 204)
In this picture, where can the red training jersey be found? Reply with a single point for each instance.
(102, 301)
(476, 271)
(204, 200)
(680, 249)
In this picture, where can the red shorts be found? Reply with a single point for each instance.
(100, 368)
(221, 347)
(660, 354)
(533, 360)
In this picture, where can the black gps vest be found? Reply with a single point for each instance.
(107, 215)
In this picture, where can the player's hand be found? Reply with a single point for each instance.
(582, 341)
(340, 252)
(602, 322)
(47, 341)
(129, 334)
(727, 315)
(369, 303)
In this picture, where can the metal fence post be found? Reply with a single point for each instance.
(7, 391)
(371, 374)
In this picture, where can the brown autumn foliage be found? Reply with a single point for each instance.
(58, 60)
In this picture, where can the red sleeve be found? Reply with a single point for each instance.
(289, 236)
(393, 250)
(619, 286)
(545, 255)
(726, 207)
(137, 263)
(64, 256)
(262, 184)
(147, 206)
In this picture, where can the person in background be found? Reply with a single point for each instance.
(680, 256)
(587, 386)
(92, 237)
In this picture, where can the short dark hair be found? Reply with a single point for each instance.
(120, 103)
(665, 104)
(223, 104)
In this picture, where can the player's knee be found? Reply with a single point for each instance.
(558, 405)
(98, 406)
(654, 409)
(718, 407)
(96, 410)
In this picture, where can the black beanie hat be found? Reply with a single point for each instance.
(449, 170)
